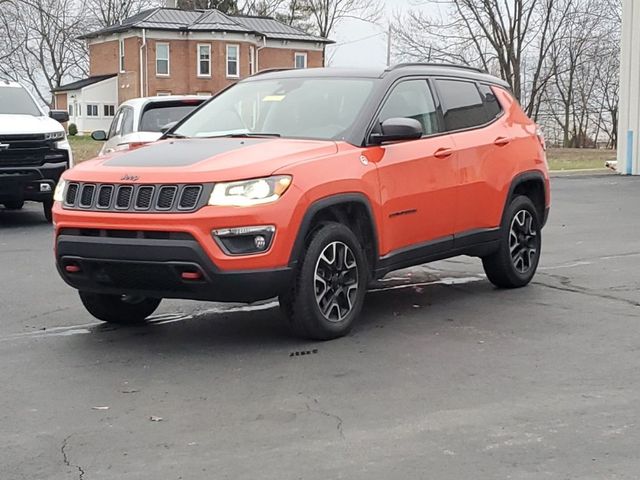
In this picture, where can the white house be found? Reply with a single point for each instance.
(91, 102)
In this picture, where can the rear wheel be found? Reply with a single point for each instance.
(515, 262)
(328, 290)
(121, 309)
(47, 207)
(14, 205)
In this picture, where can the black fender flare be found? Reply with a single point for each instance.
(519, 179)
(306, 226)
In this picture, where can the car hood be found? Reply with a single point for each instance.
(201, 160)
(25, 124)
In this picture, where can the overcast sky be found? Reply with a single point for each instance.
(361, 44)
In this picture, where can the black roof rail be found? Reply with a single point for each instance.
(443, 65)
(270, 70)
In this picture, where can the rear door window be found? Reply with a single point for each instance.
(127, 121)
(158, 114)
(412, 99)
(465, 105)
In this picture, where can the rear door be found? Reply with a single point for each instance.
(418, 177)
(472, 114)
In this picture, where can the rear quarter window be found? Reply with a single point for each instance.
(467, 105)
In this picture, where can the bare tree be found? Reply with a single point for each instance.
(47, 50)
(110, 12)
(325, 15)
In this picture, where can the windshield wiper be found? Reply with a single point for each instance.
(246, 135)
(174, 135)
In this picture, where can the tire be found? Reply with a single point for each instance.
(329, 286)
(120, 309)
(515, 262)
(14, 205)
(47, 205)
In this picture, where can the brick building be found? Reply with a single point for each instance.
(167, 51)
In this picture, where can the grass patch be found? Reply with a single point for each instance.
(578, 158)
(84, 147)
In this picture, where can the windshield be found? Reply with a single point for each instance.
(157, 115)
(317, 108)
(16, 101)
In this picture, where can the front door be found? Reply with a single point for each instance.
(418, 178)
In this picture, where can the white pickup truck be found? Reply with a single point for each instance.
(34, 150)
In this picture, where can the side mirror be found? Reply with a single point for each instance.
(168, 127)
(397, 129)
(99, 135)
(61, 116)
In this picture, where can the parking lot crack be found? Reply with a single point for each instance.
(65, 457)
(337, 418)
(567, 285)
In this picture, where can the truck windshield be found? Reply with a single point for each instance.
(316, 108)
(16, 101)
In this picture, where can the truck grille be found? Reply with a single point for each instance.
(136, 198)
(28, 150)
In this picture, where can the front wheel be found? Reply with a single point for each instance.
(121, 309)
(515, 262)
(327, 293)
(14, 205)
(47, 207)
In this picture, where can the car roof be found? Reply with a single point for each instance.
(10, 84)
(141, 102)
(397, 71)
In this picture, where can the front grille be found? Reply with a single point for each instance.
(28, 150)
(72, 193)
(123, 200)
(86, 195)
(136, 198)
(104, 196)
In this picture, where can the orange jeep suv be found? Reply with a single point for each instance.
(306, 185)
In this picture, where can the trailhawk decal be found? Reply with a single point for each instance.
(180, 153)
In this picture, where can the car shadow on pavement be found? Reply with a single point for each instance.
(30, 216)
(265, 330)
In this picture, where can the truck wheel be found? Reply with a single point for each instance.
(515, 262)
(47, 205)
(14, 205)
(328, 289)
(121, 309)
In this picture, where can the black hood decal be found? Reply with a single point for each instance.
(179, 152)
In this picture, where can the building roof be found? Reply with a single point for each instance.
(85, 82)
(161, 18)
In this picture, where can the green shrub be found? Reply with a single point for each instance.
(73, 130)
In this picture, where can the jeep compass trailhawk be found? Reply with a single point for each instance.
(307, 185)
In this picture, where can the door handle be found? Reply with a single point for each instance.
(443, 153)
(502, 141)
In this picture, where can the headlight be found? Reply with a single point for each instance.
(54, 136)
(250, 192)
(58, 194)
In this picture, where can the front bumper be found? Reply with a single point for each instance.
(23, 183)
(152, 264)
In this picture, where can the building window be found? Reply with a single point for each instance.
(162, 59)
(301, 60)
(92, 110)
(109, 110)
(204, 60)
(70, 110)
(232, 61)
(163, 93)
(121, 43)
(252, 60)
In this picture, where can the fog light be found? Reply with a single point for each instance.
(245, 240)
(260, 242)
(45, 187)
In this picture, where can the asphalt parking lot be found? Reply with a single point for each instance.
(445, 377)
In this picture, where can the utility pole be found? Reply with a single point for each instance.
(389, 34)
(629, 125)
